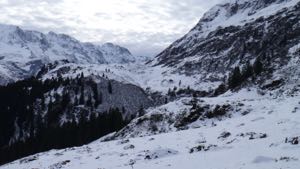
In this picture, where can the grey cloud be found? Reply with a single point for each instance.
(177, 17)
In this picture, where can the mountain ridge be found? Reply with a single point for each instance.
(23, 52)
(215, 46)
(230, 86)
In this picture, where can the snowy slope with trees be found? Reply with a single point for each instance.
(24, 52)
(226, 95)
(267, 136)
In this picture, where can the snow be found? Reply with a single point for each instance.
(155, 79)
(21, 49)
(256, 140)
(219, 16)
(261, 138)
(243, 16)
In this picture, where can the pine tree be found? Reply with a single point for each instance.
(123, 110)
(50, 104)
(220, 90)
(100, 98)
(65, 100)
(109, 87)
(95, 94)
(76, 101)
(43, 106)
(81, 99)
(141, 111)
(235, 78)
(257, 66)
(89, 102)
(247, 71)
(166, 100)
(81, 76)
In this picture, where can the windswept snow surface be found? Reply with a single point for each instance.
(263, 138)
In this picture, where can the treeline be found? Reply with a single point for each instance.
(236, 78)
(68, 135)
(36, 108)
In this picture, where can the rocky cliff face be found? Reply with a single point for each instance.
(234, 33)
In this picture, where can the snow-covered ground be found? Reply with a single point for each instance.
(267, 137)
(156, 78)
(223, 15)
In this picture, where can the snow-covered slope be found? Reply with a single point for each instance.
(149, 78)
(23, 52)
(265, 137)
(230, 35)
(233, 34)
(255, 125)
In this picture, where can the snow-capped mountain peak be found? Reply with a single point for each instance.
(22, 52)
(232, 34)
(116, 54)
(237, 12)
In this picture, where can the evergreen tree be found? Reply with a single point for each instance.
(50, 104)
(89, 102)
(257, 66)
(81, 99)
(76, 102)
(220, 90)
(141, 111)
(123, 110)
(81, 76)
(65, 100)
(166, 100)
(43, 106)
(235, 78)
(109, 87)
(95, 94)
(100, 98)
(247, 71)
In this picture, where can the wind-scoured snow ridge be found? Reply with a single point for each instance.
(23, 52)
(265, 137)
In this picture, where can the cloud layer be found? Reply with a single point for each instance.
(144, 26)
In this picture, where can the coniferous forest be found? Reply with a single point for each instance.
(57, 113)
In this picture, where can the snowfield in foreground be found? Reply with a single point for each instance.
(267, 137)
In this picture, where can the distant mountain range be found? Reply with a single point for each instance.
(24, 52)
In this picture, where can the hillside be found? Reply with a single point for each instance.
(225, 95)
(24, 52)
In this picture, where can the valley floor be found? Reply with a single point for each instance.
(265, 138)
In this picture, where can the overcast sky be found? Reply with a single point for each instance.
(145, 27)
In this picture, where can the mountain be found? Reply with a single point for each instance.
(226, 91)
(256, 132)
(235, 33)
(58, 94)
(62, 112)
(24, 52)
